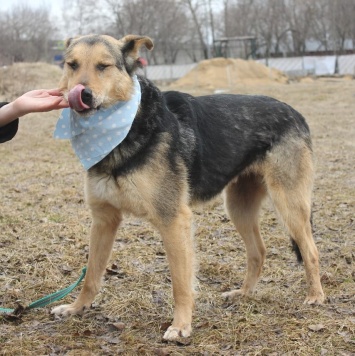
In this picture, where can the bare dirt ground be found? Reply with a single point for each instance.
(44, 225)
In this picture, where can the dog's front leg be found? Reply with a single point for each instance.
(106, 220)
(178, 242)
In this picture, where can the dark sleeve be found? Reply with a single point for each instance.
(8, 131)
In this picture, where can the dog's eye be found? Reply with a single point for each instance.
(73, 65)
(101, 67)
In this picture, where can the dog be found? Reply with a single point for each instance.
(182, 150)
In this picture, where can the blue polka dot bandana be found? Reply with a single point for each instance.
(94, 137)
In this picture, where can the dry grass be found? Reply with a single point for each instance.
(43, 246)
(21, 77)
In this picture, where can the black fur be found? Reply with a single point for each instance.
(129, 46)
(227, 133)
(183, 149)
(217, 136)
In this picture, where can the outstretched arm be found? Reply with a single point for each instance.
(33, 101)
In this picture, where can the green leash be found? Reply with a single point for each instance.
(40, 303)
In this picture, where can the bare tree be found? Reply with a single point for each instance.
(25, 33)
(271, 25)
(82, 17)
(300, 15)
(239, 17)
(188, 26)
(321, 27)
(342, 18)
(199, 20)
(163, 20)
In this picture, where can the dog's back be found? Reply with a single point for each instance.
(222, 135)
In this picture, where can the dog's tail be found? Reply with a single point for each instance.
(295, 247)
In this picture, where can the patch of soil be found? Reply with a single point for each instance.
(224, 73)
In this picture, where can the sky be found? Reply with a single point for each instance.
(55, 6)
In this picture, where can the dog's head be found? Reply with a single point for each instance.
(98, 70)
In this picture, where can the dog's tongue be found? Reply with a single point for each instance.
(74, 98)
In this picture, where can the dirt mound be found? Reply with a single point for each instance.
(21, 77)
(219, 73)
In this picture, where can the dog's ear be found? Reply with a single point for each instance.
(131, 45)
(70, 40)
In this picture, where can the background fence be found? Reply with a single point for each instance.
(293, 67)
(167, 72)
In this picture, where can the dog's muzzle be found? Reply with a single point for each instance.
(80, 98)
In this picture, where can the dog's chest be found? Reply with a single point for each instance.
(131, 194)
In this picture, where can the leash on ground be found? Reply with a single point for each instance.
(40, 303)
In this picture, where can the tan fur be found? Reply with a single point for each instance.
(108, 199)
(286, 175)
(105, 90)
(109, 86)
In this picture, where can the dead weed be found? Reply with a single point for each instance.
(43, 247)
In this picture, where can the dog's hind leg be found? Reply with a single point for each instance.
(106, 220)
(178, 242)
(243, 199)
(290, 188)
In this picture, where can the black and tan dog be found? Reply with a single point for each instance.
(183, 150)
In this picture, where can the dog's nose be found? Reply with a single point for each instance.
(86, 96)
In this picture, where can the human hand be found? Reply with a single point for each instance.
(33, 101)
(39, 101)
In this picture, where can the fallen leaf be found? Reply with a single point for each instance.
(87, 333)
(114, 271)
(66, 269)
(114, 340)
(117, 326)
(161, 352)
(204, 324)
(316, 327)
(165, 326)
(183, 341)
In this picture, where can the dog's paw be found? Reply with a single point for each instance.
(175, 333)
(68, 309)
(314, 299)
